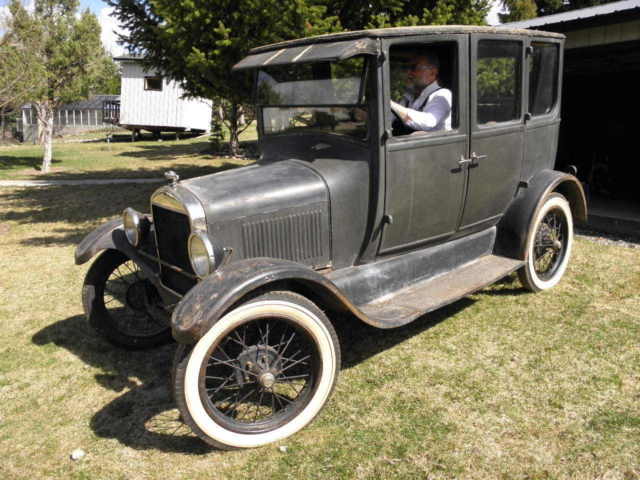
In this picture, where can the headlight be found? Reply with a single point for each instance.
(133, 226)
(201, 254)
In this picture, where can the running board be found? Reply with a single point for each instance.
(405, 305)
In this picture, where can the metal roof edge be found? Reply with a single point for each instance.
(579, 14)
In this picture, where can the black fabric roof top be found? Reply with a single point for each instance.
(338, 46)
(404, 31)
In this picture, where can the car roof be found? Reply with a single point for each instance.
(406, 31)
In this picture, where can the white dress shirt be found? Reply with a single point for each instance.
(436, 114)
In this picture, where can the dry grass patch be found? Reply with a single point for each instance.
(503, 384)
(119, 159)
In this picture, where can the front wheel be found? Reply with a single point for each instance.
(549, 243)
(122, 305)
(260, 374)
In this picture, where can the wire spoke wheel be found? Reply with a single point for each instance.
(549, 244)
(261, 373)
(133, 302)
(123, 305)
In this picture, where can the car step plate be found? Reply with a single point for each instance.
(407, 304)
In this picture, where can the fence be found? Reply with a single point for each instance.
(64, 122)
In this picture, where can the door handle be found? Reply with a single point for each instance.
(475, 157)
(464, 161)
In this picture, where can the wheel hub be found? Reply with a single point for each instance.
(260, 362)
(267, 380)
(137, 296)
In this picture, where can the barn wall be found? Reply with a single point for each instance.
(603, 34)
(159, 109)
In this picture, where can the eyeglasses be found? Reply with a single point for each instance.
(416, 68)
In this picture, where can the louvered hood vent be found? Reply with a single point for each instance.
(296, 236)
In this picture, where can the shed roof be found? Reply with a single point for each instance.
(93, 103)
(624, 6)
(403, 31)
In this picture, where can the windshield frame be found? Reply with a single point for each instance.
(364, 103)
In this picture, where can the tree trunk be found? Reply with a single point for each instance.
(2, 124)
(234, 142)
(45, 121)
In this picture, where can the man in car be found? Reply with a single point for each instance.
(425, 106)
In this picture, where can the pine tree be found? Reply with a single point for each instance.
(63, 55)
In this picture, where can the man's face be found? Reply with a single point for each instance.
(421, 73)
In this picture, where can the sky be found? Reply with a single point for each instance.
(110, 25)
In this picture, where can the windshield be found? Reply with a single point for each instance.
(323, 97)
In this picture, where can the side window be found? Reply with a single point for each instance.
(498, 81)
(543, 77)
(424, 79)
(153, 83)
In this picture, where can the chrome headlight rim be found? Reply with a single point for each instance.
(205, 264)
(132, 224)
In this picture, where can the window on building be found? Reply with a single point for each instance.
(498, 81)
(153, 83)
(543, 77)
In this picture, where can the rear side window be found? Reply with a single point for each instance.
(543, 77)
(498, 80)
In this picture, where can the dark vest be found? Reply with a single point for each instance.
(399, 128)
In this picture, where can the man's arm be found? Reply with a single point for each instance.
(436, 110)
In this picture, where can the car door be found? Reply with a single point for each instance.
(425, 183)
(497, 128)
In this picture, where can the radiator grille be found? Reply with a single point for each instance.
(295, 236)
(172, 233)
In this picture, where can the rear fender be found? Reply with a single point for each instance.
(514, 226)
(205, 303)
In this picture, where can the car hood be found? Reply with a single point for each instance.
(258, 189)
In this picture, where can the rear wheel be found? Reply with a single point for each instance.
(122, 305)
(549, 245)
(260, 374)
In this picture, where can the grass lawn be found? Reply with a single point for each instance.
(90, 156)
(503, 384)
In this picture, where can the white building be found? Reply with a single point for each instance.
(149, 101)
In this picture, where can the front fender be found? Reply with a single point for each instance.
(205, 303)
(514, 226)
(99, 239)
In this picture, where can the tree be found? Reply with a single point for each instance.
(198, 44)
(65, 51)
(394, 13)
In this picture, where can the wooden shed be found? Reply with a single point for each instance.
(600, 99)
(150, 101)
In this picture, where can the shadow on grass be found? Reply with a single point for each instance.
(124, 137)
(360, 341)
(144, 416)
(8, 162)
(507, 286)
(160, 151)
(153, 152)
(81, 207)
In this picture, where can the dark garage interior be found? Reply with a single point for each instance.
(600, 107)
(599, 130)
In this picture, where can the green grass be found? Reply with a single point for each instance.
(89, 156)
(503, 384)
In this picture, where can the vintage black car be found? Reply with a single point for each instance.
(343, 215)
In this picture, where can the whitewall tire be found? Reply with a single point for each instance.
(549, 244)
(260, 374)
